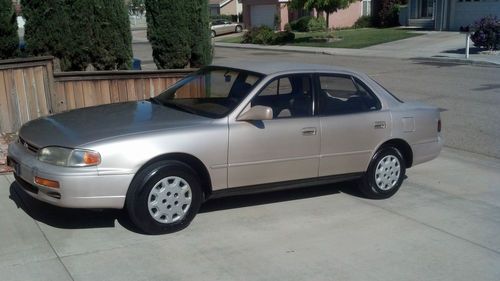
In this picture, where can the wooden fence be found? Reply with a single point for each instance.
(29, 89)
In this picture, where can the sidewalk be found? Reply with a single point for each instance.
(433, 45)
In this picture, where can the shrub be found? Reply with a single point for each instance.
(283, 37)
(301, 24)
(9, 40)
(486, 33)
(386, 12)
(363, 22)
(316, 24)
(266, 36)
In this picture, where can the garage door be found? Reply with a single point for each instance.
(263, 15)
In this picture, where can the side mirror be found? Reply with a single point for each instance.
(257, 113)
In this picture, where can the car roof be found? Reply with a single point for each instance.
(269, 67)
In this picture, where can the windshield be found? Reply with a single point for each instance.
(212, 92)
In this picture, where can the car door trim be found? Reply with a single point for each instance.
(284, 185)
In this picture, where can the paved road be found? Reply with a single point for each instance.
(442, 225)
(470, 94)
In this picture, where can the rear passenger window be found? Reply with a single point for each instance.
(289, 96)
(343, 95)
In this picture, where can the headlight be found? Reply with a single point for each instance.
(67, 157)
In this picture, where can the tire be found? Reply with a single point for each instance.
(238, 29)
(213, 34)
(164, 197)
(385, 174)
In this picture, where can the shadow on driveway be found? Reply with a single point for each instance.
(67, 218)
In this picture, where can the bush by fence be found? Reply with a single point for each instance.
(8, 30)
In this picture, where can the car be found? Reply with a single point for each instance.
(231, 128)
(219, 27)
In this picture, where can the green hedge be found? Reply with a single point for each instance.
(9, 40)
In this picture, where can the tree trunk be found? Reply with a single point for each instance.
(327, 20)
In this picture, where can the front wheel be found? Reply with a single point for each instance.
(239, 29)
(385, 174)
(164, 197)
(213, 34)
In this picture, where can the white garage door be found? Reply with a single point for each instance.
(263, 15)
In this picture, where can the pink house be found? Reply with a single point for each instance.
(267, 12)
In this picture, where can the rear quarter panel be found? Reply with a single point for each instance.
(416, 123)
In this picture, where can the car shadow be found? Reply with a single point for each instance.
(67, 218)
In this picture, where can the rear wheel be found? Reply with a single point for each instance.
(164, 197)
(213, 34)
(239, 28)
(385, 174)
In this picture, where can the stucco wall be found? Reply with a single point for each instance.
(229, 8)
(346, 17)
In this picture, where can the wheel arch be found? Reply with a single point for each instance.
(403, 147)
(190, 160)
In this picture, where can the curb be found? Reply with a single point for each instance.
(332, 53)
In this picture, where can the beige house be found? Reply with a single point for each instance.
(268, 12)
(224, 7)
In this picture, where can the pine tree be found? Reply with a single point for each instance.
(112, 40)
(169, 32)
(9, 40)
(46, 29)
(179, 32)
(201, 47)
(79, 32)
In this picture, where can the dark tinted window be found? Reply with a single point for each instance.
(288, 96)
(343, 95)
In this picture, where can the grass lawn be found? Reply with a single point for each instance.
(351, 38)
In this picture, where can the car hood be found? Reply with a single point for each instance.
(81, 126)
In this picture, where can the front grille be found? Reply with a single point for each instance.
(28, 145)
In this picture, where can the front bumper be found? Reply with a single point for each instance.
(80, 187)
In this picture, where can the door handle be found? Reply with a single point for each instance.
(309, 131)
(379, 125)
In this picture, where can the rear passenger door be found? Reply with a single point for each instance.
(282, 149)
(352, 124)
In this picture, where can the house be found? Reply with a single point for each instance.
(448, 14)
(270, 12)
(224, 7)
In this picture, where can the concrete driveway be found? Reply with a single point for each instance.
(440, 226)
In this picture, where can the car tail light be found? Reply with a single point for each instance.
(439, 125)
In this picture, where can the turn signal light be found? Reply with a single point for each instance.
(91, 158)
(46, 182)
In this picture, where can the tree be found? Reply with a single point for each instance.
(201, 47)
(79, 32)
(47, 29)
(111, 46)
(178, 32)
(9, 40)
(327, 6)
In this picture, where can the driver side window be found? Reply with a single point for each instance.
(288, 96)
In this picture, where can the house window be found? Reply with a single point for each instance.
(367, 8)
